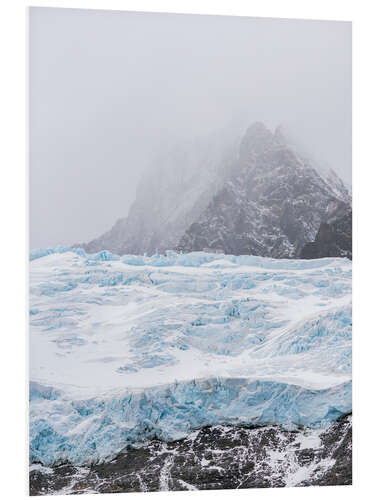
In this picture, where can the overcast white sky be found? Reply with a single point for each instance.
(108, 88)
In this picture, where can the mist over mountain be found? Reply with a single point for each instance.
(124, 86)
(261, 197)
(170, 197)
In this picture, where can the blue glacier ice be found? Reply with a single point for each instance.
(94, 429)
(127, 348)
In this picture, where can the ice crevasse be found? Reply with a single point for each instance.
(123, 349)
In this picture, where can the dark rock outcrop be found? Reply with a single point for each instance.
(220, 457)
(334, 239)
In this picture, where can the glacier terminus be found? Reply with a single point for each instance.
(126, 350)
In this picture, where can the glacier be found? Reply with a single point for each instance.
(126, 349)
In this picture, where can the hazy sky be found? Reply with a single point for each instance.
(107, 89)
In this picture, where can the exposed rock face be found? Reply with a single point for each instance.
(214, 458)
(271, 204)
(267, 200)
(334, 239)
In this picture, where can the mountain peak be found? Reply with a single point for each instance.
(265, 201)
(257, 128)
(257, 138)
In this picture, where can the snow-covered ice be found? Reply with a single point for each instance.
(126, 348)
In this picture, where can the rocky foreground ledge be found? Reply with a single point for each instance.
(219, 457)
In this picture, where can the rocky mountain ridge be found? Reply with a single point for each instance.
(266, 200)
(168, 199)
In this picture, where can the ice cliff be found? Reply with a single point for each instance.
(123, 349)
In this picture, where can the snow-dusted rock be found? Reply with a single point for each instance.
(271, 203)
(262, 198)
(218, 457)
